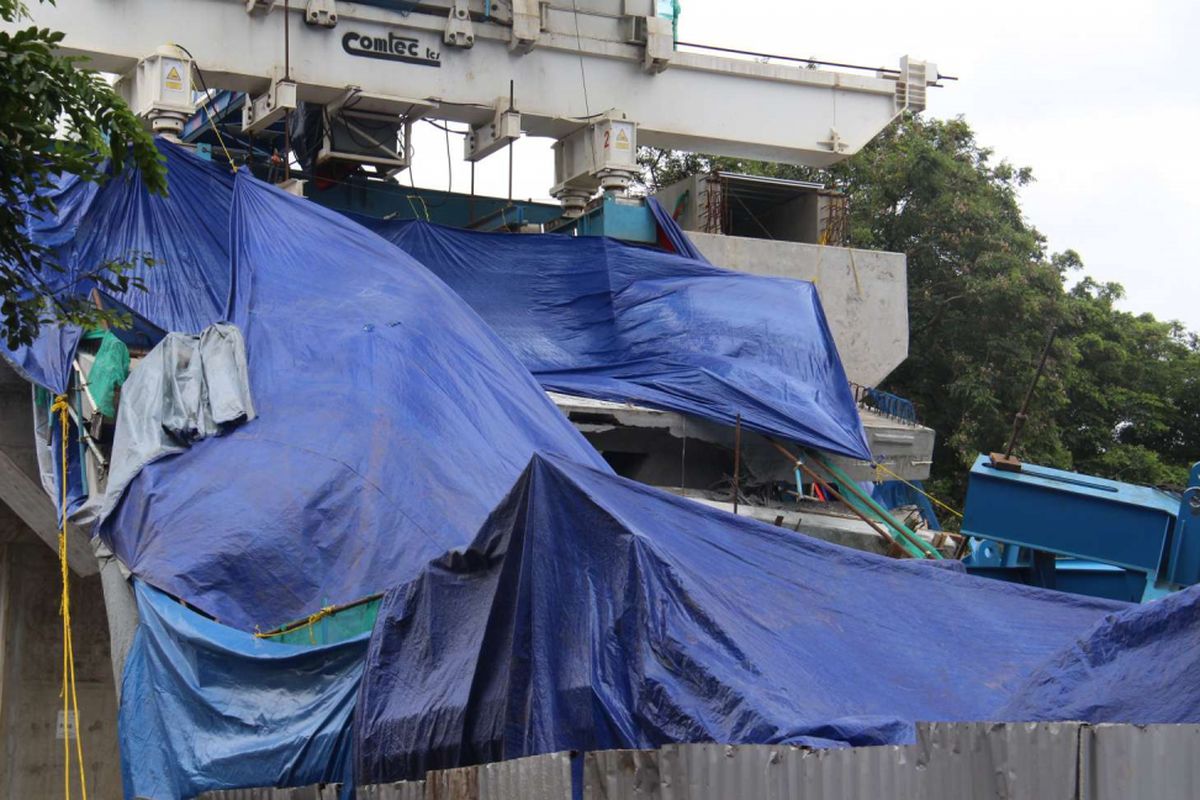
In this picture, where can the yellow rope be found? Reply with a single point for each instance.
(209, 116)
(919, 490)
(68, 687)
(220, 139)
(424, 207)
(208, 111)
(313, 619)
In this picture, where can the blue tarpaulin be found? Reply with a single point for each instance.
(669, 230)
(206, 707)
(594, 612)
(1138, 666)
(47, 361)
(185, 234)
(596, 317)
(395, 427)
(894, 494)
(390, 421)
(586, 315)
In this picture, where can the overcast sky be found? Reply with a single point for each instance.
(1101, 99)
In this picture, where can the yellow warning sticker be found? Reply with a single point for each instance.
(173, 79)
(622, 140)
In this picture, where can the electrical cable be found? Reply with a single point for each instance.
(811, 61)
(449, 166)
(287, 76)
(579, 49)
(449, 162)
(442, 127)
(207, 109)
(587, 106)
(438, 102)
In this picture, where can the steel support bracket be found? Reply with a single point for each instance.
(660, 44)
(528, 22)
(260, 6)
(601, 155)
(657, 38)
(483, 140)
(321, 13)
(265, 110)
(459, 30)
(912, 84)
(835, 143)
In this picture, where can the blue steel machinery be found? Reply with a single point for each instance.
(1079, 533)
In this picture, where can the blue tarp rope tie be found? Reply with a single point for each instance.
(312, 620)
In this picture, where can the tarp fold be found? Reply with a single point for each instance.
(593, 612)
(205, 707)
(599, 318)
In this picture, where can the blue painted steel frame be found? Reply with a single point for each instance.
(618, 218)
(1183, 566)
(1092, 524)
(1069, 514)
(222, 104)
(391, 200)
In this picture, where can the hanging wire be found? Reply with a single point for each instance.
(449, 163)
(579, 49)
(205, 103)
(587, 106)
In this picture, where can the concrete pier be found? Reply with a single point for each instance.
(31, 724)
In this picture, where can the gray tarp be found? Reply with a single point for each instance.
(187, 388)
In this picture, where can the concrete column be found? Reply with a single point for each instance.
(31, 762)
(120, 605)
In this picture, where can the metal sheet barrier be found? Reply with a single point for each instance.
(1123, 761)
(408, 790)
(950, 761)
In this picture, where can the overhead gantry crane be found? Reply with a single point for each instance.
(598, 76)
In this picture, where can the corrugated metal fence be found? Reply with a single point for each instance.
(950, 761)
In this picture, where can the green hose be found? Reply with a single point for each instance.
(903, 533)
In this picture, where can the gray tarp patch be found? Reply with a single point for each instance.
(185, 389)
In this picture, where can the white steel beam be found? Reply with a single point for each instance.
(702, 103)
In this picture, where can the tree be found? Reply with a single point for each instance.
(56, 119)
(1119, 396)
(1131, 412)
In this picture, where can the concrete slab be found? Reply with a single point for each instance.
(904, 448)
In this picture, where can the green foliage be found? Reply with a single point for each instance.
(56, 119)
(1121, 392)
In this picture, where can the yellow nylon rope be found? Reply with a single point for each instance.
(918, 489)
(68, 687)
(312, 620)
(208, 111)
